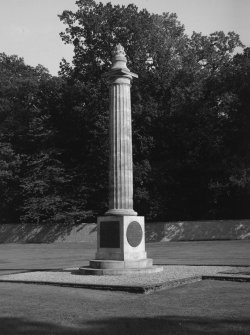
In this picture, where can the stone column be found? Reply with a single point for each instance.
(121, 160)
(120, 233)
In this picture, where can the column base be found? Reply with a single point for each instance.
(121, 212)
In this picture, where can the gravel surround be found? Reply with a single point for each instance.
(172, 276)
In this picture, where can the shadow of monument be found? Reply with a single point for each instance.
(169, 325)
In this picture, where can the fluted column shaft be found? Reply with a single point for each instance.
(121, 160)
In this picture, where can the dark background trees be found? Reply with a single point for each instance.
(190, 109)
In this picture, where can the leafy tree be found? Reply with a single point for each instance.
(9, 182)
(178, 120)
(18, 86)
(36, 140)
(190, 122)
(231, 192)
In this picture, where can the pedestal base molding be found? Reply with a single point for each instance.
(112, 268)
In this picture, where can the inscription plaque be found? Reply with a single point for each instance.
(134, 234)
(109, 234)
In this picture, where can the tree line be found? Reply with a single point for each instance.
(190, 111)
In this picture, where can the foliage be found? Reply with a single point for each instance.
(179, 102)
(9, 182)
(190, 109)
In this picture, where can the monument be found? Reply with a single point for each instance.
(120, 232)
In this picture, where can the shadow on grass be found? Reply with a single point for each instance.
(198, 230)
(155, 232)
(4, 272)
(169, 325)
(41, 233)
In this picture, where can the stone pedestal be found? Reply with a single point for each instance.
(120, 247)
(121, 233)
(121, 238)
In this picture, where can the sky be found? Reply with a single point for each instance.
(30, 28)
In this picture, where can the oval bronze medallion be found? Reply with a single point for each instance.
(134, 234)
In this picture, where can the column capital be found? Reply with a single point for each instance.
(119, 65)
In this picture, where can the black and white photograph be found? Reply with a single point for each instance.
(124, 167)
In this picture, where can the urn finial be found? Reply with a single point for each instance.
(119, 60)
(118, 51)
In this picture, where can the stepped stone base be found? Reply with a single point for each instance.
(113, 268)
(120, 247)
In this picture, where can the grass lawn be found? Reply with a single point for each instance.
(57, 255)
(207, 307)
